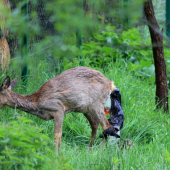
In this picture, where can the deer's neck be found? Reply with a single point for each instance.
(26, 103)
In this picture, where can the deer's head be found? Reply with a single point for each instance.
(5, 88)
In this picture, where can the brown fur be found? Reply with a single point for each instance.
(4, 47)
(4, 53)
(73, 90)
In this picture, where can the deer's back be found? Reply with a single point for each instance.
(75, 89)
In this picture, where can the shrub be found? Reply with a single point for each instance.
(23, 146)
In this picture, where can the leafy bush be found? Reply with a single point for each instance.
(108, 45)
(23, 146)
(131, 46)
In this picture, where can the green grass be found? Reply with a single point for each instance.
(147, 128)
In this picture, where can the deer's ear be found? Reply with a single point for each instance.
(14, 82)
(6, 83)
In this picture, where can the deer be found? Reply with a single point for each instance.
(80, 89)
(4, 46)
(4, 54)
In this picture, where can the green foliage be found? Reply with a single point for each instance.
(107, 46)
(100, 50)
(131, 46)
(54, 41)
(24, 146)
(123, 56)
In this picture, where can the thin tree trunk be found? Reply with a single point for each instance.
(158, 54)
(86, 7)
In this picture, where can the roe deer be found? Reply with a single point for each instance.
(4, 53)
(79, 89)
(4, 46)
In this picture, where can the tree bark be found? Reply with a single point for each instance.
(158, 54)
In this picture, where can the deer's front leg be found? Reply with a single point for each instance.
(58, 122)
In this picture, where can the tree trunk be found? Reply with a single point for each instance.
(158, 54)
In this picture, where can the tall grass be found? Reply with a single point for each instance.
(147, 128)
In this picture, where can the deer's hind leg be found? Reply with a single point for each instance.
(94, 123)
(98, 112)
